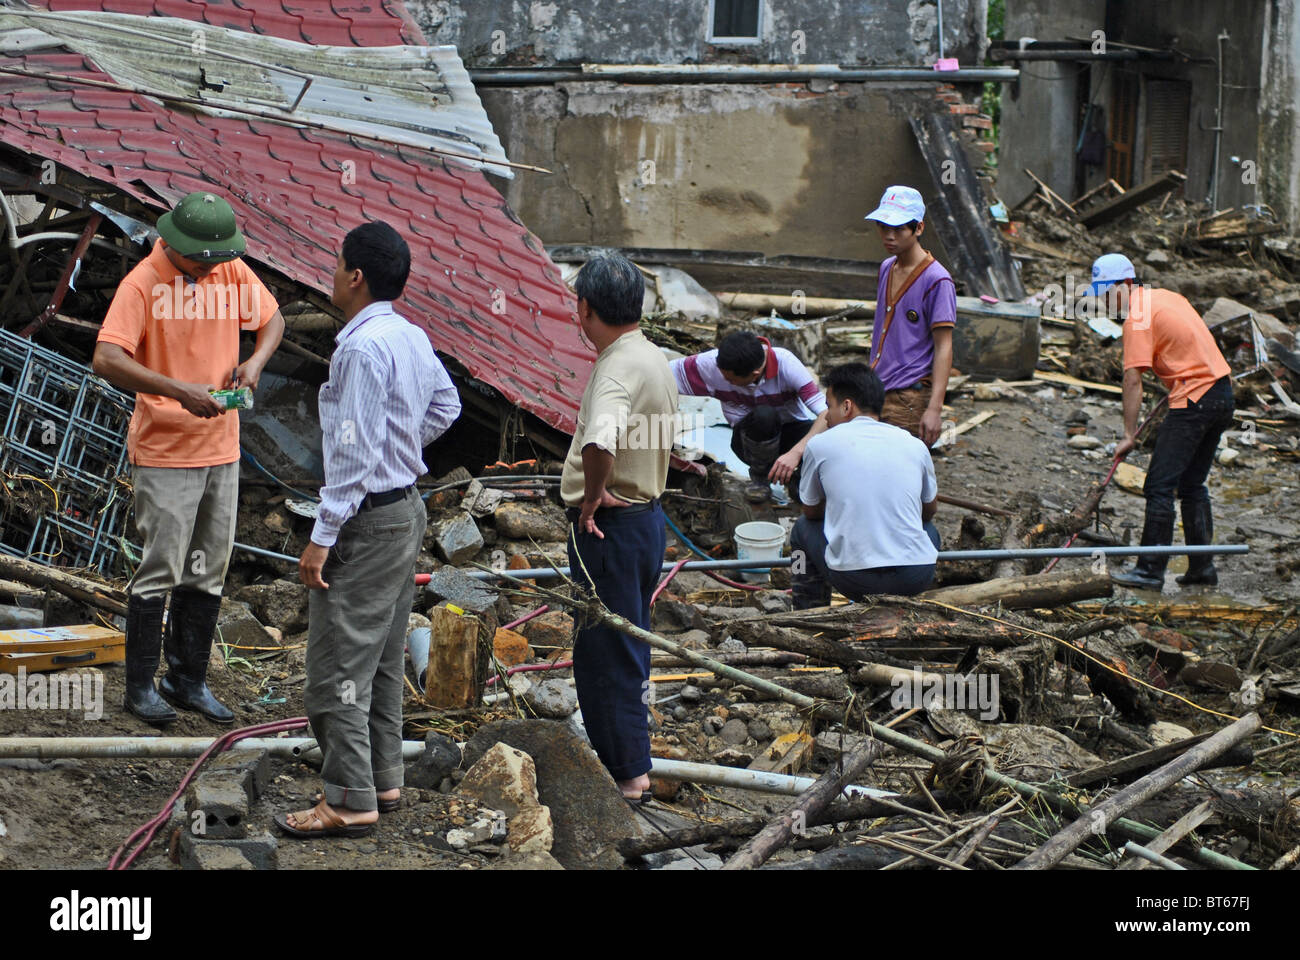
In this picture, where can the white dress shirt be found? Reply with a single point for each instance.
(387, 397)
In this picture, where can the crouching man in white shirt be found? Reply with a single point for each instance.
(868, 492)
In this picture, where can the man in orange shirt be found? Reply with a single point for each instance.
(1164, 333)
(172, 335)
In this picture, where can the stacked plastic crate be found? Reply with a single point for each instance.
(64, 430)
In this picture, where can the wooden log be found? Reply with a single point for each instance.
(452, 681)
(751, 658)
(81, 589)
(972, 505)
(1137, 764)
(1132, 198)
(1040, 590)
(786, 754)
(1099, 816)
(785, 304)
(1114, 684)
(795, 817)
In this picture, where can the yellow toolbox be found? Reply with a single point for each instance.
(57, 648)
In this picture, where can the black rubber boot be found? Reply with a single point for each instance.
(190, 627)
(143, 640)
(1198, 530)
(1149, 572)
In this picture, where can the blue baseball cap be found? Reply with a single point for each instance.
(898, 205)
(1109, 269)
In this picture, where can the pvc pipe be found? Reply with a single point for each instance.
(731, 73)
(49, 748)
(743, 779)
(1140, 851)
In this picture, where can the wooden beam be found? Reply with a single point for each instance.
(1132, 199)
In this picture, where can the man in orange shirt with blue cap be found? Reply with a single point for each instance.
(1164, 333)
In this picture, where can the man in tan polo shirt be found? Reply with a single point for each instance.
(171, 335)
(615, 472)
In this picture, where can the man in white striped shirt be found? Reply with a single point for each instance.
(387, 398)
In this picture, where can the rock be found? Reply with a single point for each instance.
(741, 710)
(280, 603)
(1084, 442)
(1157, 258)
(735, 755)
(732, 645)
(543, 522)
(691, 694)
(713, 725)
(454, 586)
(665, 790)
(1163, 733)
(553, 630)
(692, 639)
(504, 778)
(672, 614)
(511, 648)
(773, 601)
(1227, 455)
(759, 730)
(734, 732)
(588, 812)
(457, 539)
(417, 621)
(237, 625)
(531, 830)
(552, 699)
(681, 714)
(532, 861)
(440, 758)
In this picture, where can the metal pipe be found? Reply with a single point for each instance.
(732, 73)
(1213, 198)
(1140, 851)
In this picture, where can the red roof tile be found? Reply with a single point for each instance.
(287, 188)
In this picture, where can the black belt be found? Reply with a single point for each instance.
(383, 499)
(573, 513)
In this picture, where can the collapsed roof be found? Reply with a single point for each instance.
(311, 117)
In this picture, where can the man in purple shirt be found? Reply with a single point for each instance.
(387, 398)
(916, 308)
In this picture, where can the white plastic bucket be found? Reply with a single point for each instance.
(758, 540)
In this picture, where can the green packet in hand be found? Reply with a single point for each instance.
(238, 399)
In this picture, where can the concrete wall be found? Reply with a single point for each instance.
(1279, 113)
(773, 168)
(1039, 128)
(518, 32)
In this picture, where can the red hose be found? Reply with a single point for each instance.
(526, 617)
(531, 667)
(150, 829)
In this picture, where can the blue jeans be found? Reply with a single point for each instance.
(611, 669)
(812, 584)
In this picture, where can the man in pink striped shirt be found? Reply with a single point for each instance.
(769, 398)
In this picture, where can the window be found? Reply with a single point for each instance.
(734, 21)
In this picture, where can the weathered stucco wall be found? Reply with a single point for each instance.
(775, 169)
(508, 32)
(1279, 113)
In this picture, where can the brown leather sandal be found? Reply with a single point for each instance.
(383, 806)
(320, 822)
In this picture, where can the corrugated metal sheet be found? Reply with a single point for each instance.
(415, 95)
(481, 285)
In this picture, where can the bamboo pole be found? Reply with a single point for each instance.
(1100, 816)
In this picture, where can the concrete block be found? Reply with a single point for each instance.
(258, 850)
(251, 768)
(221, 800)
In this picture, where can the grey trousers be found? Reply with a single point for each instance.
(355, 651)
(186, 516)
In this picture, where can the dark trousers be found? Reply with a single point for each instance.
(611, 669)
(811, 580)
(760, 437)
(1185, 449)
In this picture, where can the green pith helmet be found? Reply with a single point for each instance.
(202, 228)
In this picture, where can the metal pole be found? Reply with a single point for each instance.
(725, 73)
(1140, 851)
